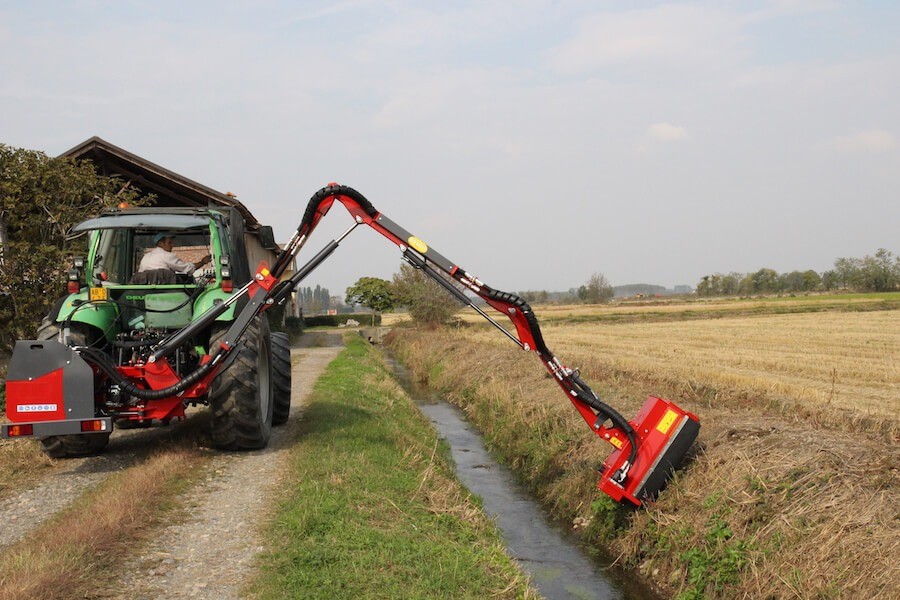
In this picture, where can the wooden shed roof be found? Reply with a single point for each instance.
(170, 188)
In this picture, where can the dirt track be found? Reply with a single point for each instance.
(208, 552)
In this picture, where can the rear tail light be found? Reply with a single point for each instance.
(227, 283)
(20, 430)
(94, 425)
(73, 285)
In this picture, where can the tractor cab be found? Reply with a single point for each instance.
(119, 241)
(110, 292)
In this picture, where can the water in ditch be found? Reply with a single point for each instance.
(558, 566)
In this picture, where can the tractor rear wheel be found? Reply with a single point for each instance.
(281, 377)
(241, 396)
(78, 444)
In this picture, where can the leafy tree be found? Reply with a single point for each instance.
(882, 271)
(597, 290)
(704, 288)
(811, 280)
(791, 282)
(41, 200)
(427, 302)
(373, 293)
(765, 281)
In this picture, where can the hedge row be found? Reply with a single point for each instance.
(340, 320)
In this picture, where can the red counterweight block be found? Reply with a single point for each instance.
(664, 433)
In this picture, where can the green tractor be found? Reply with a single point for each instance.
(117, 309)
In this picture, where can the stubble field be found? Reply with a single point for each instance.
(790, 492)
(833, 362)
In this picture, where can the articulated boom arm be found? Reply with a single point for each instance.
(528, 334)
(646, 449)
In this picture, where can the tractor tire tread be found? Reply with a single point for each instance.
(281, 378)
(234, 399)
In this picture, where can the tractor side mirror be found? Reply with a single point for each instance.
(267, 237)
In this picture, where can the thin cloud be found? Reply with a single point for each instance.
(673, 36)
(665, 132)
(865, 141)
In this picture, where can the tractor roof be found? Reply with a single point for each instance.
(147, 219)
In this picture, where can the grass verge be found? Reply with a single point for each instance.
(21, 464)
(69, 556)
(768, 508)
(371, 508)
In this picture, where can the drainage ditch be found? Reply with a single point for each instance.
(559, 567)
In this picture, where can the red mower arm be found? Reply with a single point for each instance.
(528, 334)
(646, 450)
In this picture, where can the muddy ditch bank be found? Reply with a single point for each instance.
(765, 508)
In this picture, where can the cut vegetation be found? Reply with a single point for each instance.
(792, 489)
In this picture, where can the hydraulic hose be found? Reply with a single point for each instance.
(99, 358)
(587, 395)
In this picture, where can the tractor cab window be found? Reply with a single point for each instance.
(110, 261)
(190, 246)
(119, 251)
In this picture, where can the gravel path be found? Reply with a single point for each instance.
(210, 553)
(69, 478)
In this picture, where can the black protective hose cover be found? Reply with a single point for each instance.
(604, 409)
(100, 359)
(334, 190)
(525, 308)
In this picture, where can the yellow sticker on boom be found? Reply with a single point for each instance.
(99, 294)
(665, 424)
(417, 244)
(616, 442)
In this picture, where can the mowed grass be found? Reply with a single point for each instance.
(371, 509)
(826, 361)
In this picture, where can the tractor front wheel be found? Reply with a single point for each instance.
(241, 397)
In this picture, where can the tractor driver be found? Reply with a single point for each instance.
(162, 257)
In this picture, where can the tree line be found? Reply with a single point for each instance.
(428, 303)
(596, 290)
(878, 273)
(319, 300)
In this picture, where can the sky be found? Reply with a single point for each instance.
(532, 143)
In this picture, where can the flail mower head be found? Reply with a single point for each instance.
(664, 434)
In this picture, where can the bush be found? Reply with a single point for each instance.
(41, 200)
(293, 325)
(427, 302)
